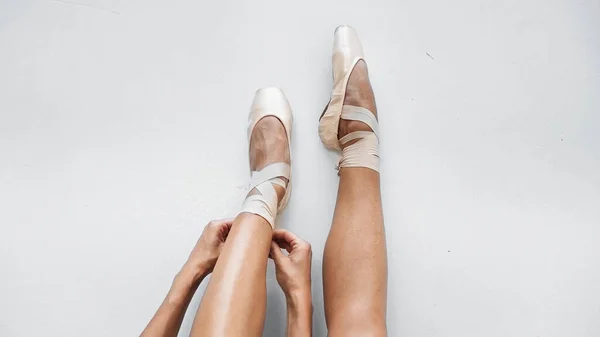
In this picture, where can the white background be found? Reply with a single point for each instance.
(122, 133)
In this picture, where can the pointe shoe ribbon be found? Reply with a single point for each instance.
(364, 152)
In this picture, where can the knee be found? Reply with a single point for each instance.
(370, 330)
(362, 325)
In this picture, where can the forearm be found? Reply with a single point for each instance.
(299, 315)
(167, 320)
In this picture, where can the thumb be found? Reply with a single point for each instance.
(276, 253)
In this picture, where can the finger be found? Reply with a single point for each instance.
(284, 245)
(292, 239)
(224, 222)
(225, 226)
(220, 228)
(285, 236)
(218, 224)
(276, 253)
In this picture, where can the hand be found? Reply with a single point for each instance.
(204, 256)
(292, 271)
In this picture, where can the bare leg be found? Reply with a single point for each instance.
(234, 303)
(354, 261)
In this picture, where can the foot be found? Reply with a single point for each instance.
(358, 93)
(268, 145)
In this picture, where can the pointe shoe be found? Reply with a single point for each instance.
(347, 52)
(270, 102)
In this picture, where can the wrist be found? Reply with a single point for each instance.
(299, 313)
(298, 300)
(184, 286)
(192, 274)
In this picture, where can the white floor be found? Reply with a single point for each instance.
(122, 132)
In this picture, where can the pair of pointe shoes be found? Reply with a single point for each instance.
(347, 51)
